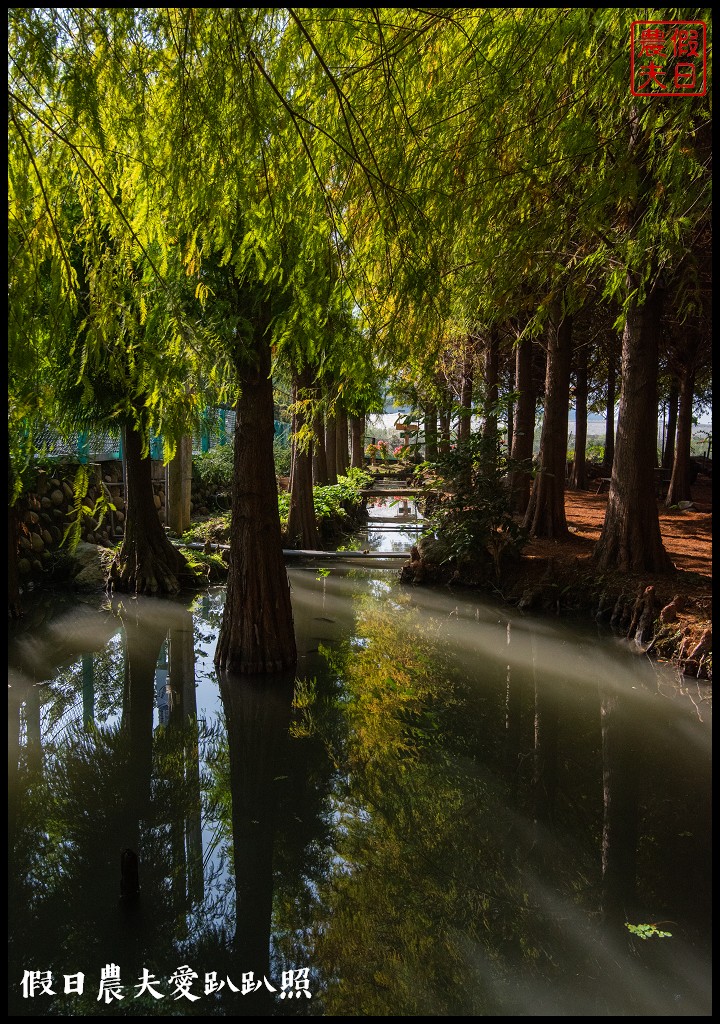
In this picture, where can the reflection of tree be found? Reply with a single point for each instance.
(112, 788)
(621, 770)
(257, 713)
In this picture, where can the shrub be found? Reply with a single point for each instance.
(282, 453)
(473, 518)
(214, 468)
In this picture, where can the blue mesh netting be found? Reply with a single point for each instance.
(218, 428)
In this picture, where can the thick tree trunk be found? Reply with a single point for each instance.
(431, 433)
(668, 457)
(302, 525)
(444, 442)
(147, 562)
(357, 432)
(679, 489)
(492, 373)
(319, 456)
(331, 448)
(179, 487)
(630, 540)
(545, 514)
(257, 634)
(578, 477)
(342, 459)
(466, 392)
(610, 414)
(524, 432)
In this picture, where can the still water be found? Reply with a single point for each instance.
(453, 809)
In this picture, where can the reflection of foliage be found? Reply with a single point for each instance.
(391, 943)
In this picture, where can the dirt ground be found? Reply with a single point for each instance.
(687, 536)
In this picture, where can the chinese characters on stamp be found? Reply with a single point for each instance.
(668, 58)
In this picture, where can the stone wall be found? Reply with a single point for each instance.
(45, 511)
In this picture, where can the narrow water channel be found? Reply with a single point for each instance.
(455, 808)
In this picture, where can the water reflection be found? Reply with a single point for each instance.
(453, 809)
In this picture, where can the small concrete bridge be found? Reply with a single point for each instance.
(386, 490)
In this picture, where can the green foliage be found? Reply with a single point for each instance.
(647, 931)
(282, 453)
(595, 450)
(473, 517)
(80, 509)
(214, 468)
(216, 530)
(334, 503)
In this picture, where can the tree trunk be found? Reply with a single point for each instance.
(256, 634)
(179, 487)
(302, 526)
(679, 489)
(147, 562)
(357, 452)
(466, 392)
(319, 456)
(545, 514)
(431, 433)
(668, 457)
(521, 452)
(331, 448)
(492, 373)
(342, 460)
(444, 443)
(578, 478)
(630, 540)
(610, 415)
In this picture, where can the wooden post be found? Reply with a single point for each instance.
(179, 487)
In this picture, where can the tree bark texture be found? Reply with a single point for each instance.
(679, 489)
(302, 525)
(578, 477)
(466, 392)
(147, 562)
(431, 433)
(492, 373)
(545, 514)
(342, 458)
(610, 414)
(630, 540)
(357, 451)
(331, 448)
(319, 455)
(256, 634)
(668, 456)
(524, 430)
(444, 442)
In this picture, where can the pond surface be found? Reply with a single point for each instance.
(454, 809)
